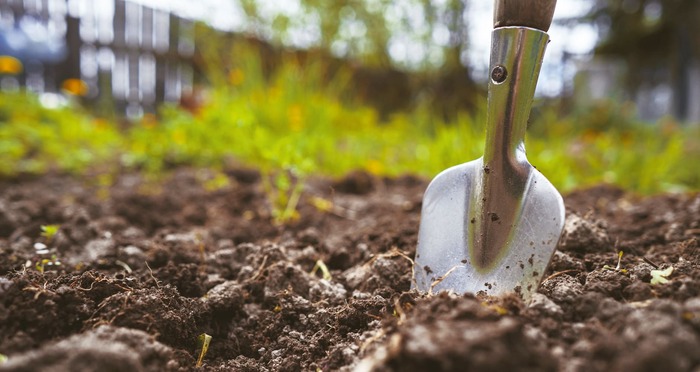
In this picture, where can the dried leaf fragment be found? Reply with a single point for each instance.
(660, 276)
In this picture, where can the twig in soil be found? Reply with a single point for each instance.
(37, 289)
(151, 272)
(327, 206)
(394, 252)
(124, 266)
(390, 254)
(97, 279)
(121, 311)
(376, 317)
(260, 269)
(99, 307)
(380, 334)
(560, 273)
(202, 252)
(399, 310)
(650, 263)
(440, 279)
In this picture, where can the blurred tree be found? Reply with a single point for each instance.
(410, 34)
(651, 36)
(404, 50)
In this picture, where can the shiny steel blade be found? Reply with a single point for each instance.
(491, 225)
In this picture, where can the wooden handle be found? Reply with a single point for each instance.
(524, 13)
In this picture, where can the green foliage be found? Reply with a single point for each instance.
(293, 124)
(606, 144)
(425, 34)
(618, 267)
(43, 263)
(49, 231)
(320, 265)
(34, 139)
(214, 181)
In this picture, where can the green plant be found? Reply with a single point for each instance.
(213, 180)
(298, 121)
(203, 344)
(43, 263)
(320, 265)
(284, 167)
(36, 139)
(618, 267)
(49, 231)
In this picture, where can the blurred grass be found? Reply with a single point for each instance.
(296, 124)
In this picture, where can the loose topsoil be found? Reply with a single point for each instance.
(139, 269)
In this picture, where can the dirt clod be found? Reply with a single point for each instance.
(105, 348)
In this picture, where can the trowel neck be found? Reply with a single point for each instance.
(516, 59)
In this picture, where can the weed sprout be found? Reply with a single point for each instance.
(49, 231)
(203, 344)
(320, 265)
(618, 268)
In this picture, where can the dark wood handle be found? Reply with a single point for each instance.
(524, 13)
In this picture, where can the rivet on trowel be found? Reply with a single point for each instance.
(499, 74)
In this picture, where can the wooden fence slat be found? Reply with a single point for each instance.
(119, 24)
(147, 28)
(139, 50)
(70, 67)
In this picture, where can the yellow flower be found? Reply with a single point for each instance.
(374, 166)
(179, 137)
(323, 205)
(296, 118)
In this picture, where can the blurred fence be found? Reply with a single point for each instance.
(117, 54)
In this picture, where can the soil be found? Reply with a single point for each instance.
(139, 269)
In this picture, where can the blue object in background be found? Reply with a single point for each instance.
(31, 42)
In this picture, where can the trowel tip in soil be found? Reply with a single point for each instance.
(446, 257)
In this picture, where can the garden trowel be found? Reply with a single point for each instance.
(491, 225)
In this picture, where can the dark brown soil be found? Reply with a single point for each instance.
(146, 267)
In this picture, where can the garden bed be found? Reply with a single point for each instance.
(138, 269)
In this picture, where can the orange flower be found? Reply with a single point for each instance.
(75, 87)
(374, 166)
(10, 65)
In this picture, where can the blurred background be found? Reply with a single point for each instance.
(620, 84)
(143, 52)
